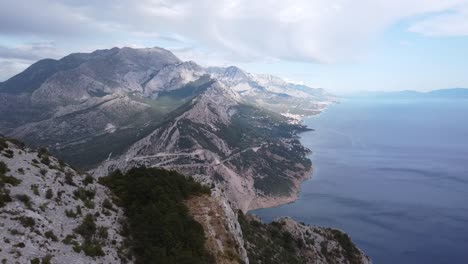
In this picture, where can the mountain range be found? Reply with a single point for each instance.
(450, 93)
(123, 108)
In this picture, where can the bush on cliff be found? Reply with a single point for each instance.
(160, 227)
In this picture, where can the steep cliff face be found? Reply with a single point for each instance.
(287, 241)
(252, 154)
(48, 211)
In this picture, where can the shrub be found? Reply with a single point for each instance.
(92, 248)
(20, 245)
(69, 179)
(88, 180)
(50, 235)
(27, 221)
(4, 197)
(3, 168)
(70, 213)
(159, 224)
(49, 194)
(45, 160)
(47, 259)
(43, 171)
(9, 153)
(3, 144)
(25, 199)
(35, 189)
(89, 204)
(87, 228)
(42, 152)
(68, 240)
(84, 194)
(107, 204)
(102, 232)
(9, 180)
(36, 261)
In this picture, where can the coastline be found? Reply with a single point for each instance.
(275, 201)
(271, 202)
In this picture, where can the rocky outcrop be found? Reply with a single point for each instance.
(49, 211)
(224, 235)
(287, 241)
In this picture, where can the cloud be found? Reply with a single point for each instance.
(30, 51)
(454, 23)
(10, 67)
(232, 30)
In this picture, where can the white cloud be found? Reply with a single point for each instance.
(232, 30)
(10, 67)
(454, 23)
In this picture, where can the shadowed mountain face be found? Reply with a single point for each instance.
(128, 107)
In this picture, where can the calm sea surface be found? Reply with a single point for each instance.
(394, 175)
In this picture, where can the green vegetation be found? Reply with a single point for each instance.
(8, 153)
(49, 194)
(159, 226)
(88, 179)
(35, 189)
(69, 179)
(25, 199)
(50, 235)
(47, 259)
(350, 251)
(3, 144)
(107, 204)
(92, 243)
(4, 192)
(268, 243)
(26, 221)
(85, 195)
(72, 214)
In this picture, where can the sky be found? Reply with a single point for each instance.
(342, 45)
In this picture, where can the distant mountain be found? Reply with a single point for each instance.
(453, 93)
(231, 130)
(273, 93)
(121, 108)
(87, 106)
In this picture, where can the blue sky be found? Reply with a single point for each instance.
(340, 45)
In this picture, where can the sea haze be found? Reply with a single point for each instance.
(393, 174)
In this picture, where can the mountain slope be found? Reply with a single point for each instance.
(273, 93)
(50, 211)
(95, 105)
(99, 104)
(125, 108)
(219, 139)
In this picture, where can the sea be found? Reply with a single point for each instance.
(393, 174)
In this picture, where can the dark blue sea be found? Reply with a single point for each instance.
(392, 174)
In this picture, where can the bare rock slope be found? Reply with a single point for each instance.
(50, 212)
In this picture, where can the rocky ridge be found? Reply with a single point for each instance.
(123, 108)
(51, 212)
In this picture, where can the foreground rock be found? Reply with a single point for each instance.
(287, 241)
(50, 212)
